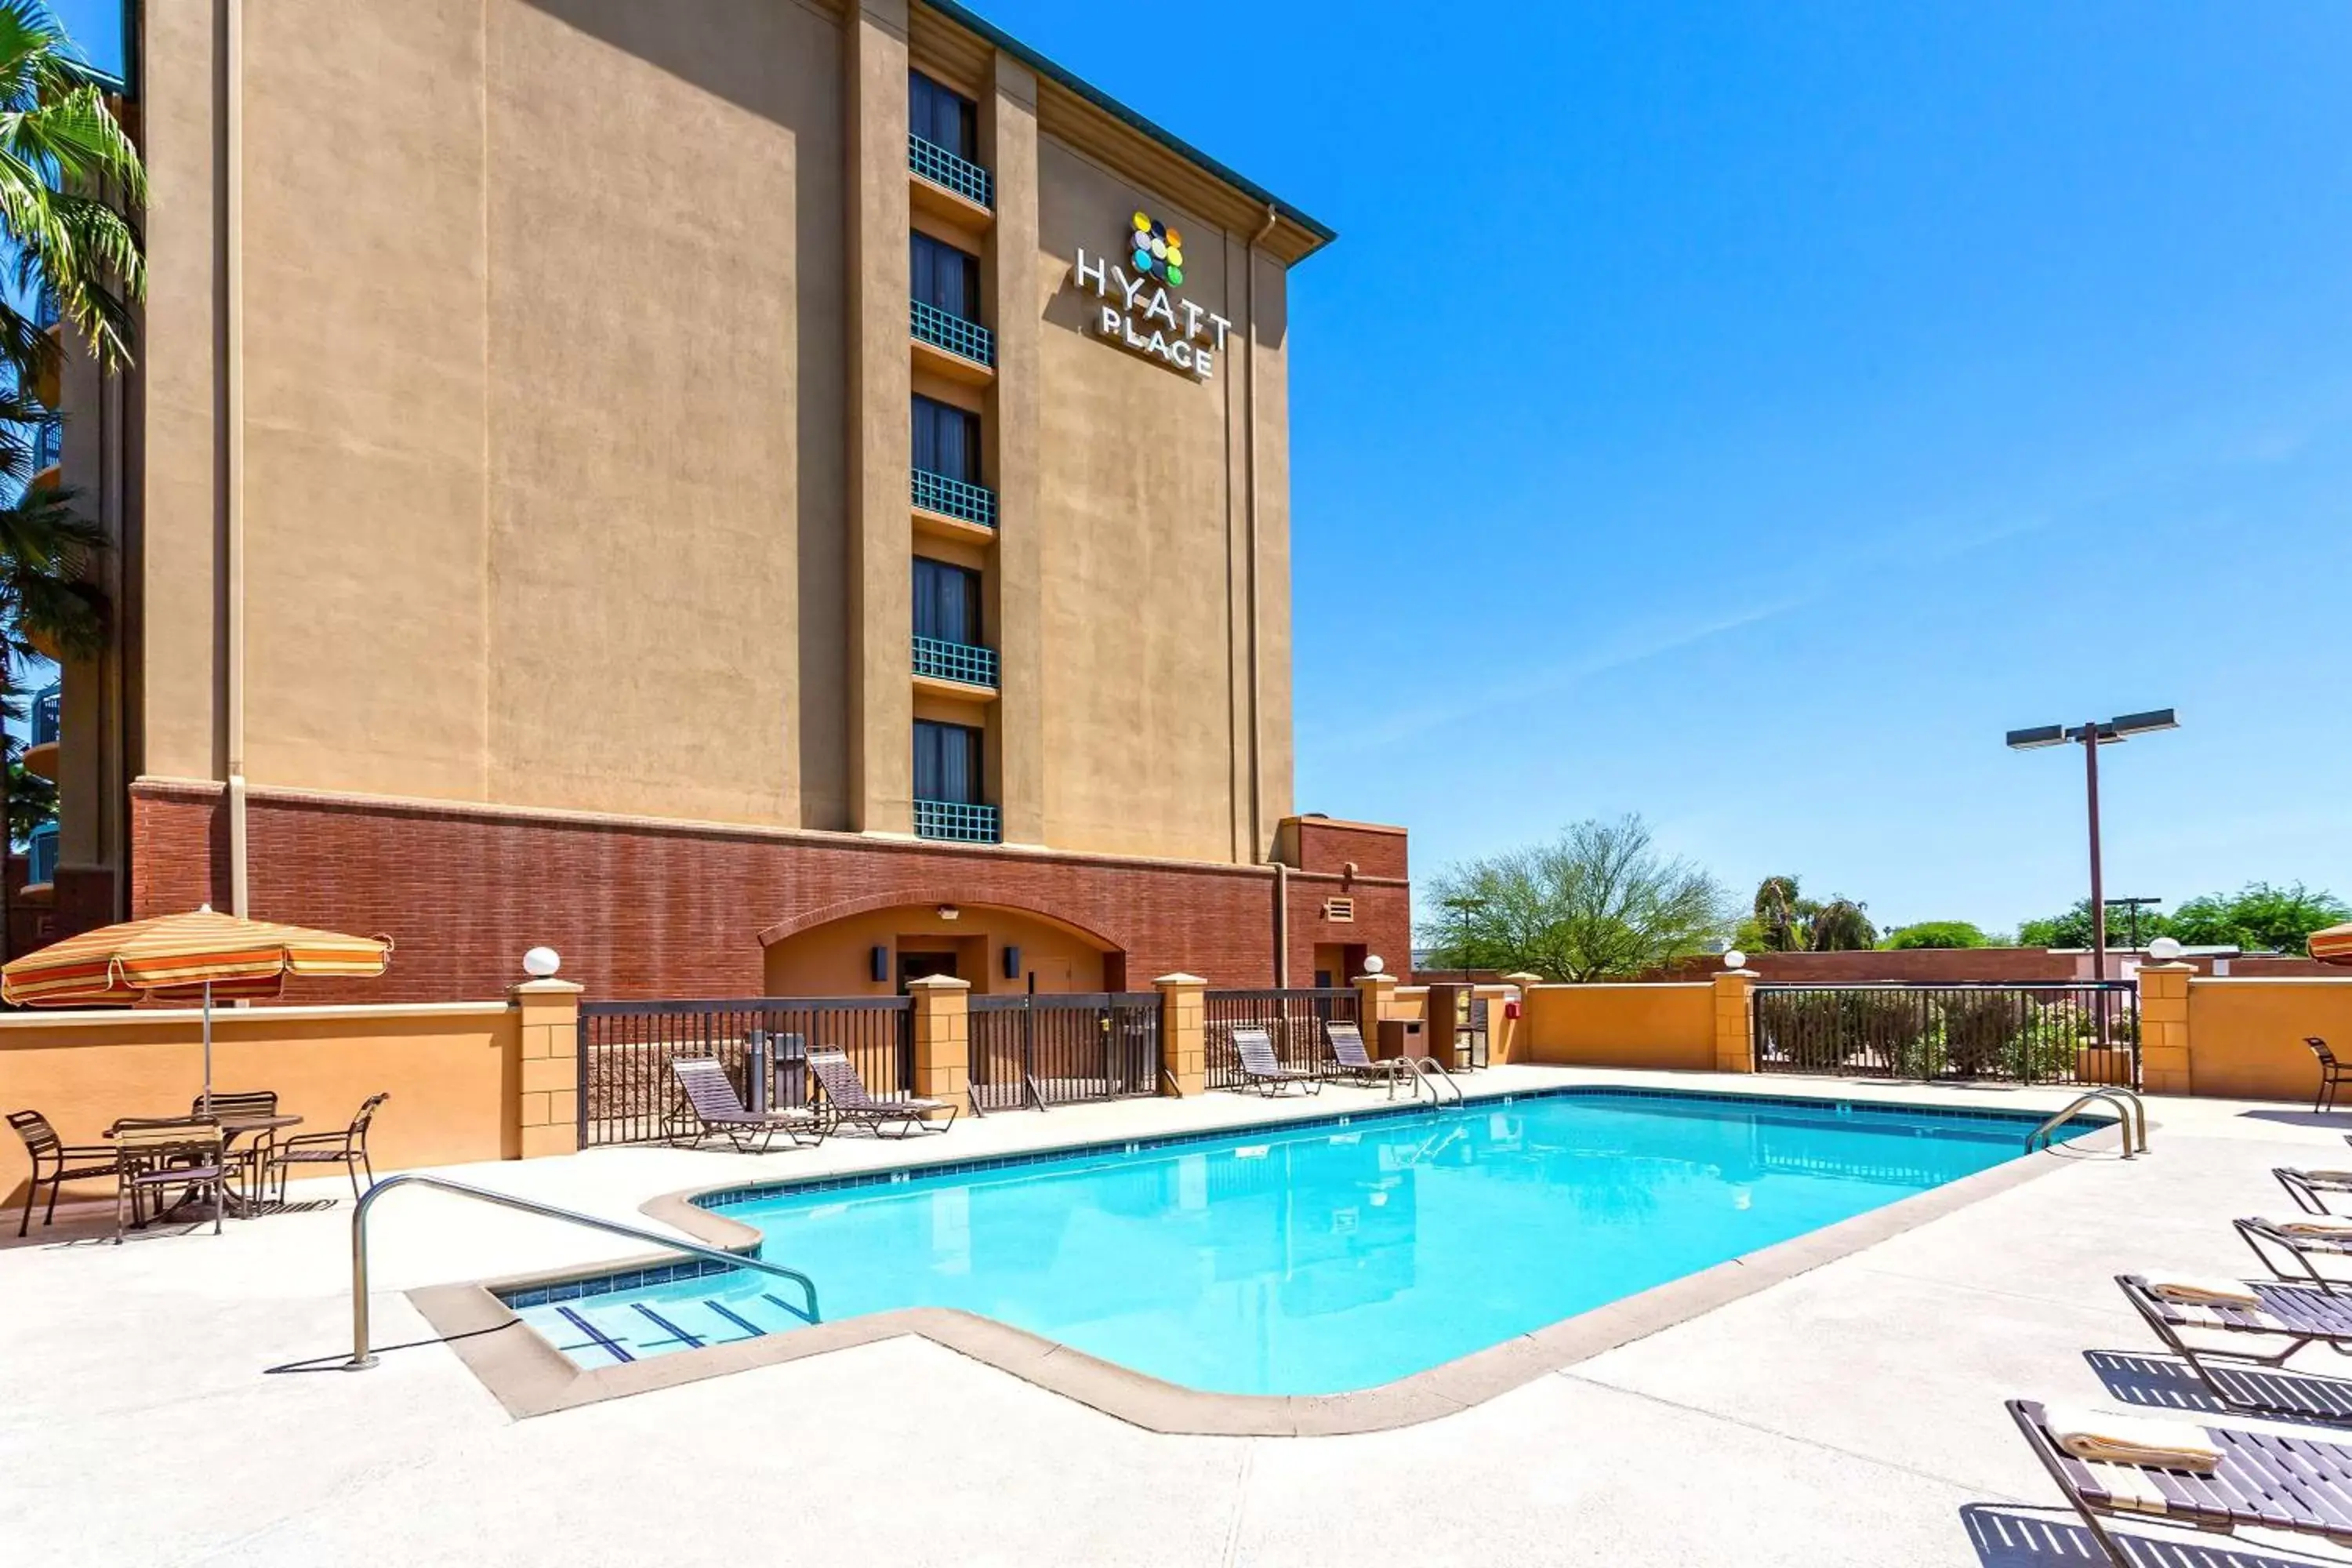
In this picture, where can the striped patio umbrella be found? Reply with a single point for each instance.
(2333, 945)
(183, 958)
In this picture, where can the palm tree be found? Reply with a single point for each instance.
(69, 180)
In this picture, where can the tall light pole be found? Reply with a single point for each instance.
(2091, 737)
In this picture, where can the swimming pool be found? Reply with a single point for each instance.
(1310, 1258)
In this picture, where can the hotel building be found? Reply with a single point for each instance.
(762, 495)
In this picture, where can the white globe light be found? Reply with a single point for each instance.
(541, 962)
(1735, 959)
(1373, 966)
(2164, 949)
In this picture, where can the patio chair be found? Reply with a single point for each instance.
(2298, 1314)
(2332, 1074)
(248, 1162)
(67, 1162)
(2291, 1248)
(159, 1153)
(1350, 1062)
(717, 1109)
(846, 1103)
(347, 1148)
(1262, 1072)
(2264, 1480)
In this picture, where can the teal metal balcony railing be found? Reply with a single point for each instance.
(953, 498)
(48, 444)
(963, 339)
(41, 854)
(45, 715)
(941, 167)
(954, 819)
(967, 662)
(45, 313)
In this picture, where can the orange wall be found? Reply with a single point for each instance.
(834, 959)
(1636, 1026)
(454, 1074)
(2245, 1037)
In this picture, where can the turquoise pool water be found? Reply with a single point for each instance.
(1317, 1258)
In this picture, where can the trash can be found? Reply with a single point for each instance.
(1402, 1037)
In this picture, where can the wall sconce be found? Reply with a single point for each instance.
(949, 911)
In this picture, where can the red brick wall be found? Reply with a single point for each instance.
(1325, 845)
(641, 909)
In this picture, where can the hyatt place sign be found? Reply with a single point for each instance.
(1138, 313)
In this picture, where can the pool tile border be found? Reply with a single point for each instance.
(529, 1376)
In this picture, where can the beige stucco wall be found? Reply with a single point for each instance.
(547, 436)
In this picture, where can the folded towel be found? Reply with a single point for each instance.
(2316, 1229)
(2343, 1178)
(2203, 1292)
(2103, 1437)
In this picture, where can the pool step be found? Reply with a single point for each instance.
(603, 1331)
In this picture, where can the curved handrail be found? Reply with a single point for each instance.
(363, 1357)
(2131, 1117)
(1421, 1067)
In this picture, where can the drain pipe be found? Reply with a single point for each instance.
(1282, 925)
(233, 545)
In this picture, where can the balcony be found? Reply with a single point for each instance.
(41, 855)
(48, 446)
(41, 750)
(951, 186)
(940, 496)
(46, 316)
(950, 345)
(953, 819)
(964, 664)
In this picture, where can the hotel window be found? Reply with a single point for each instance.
(942, 115)
(946, 440)
(947, 763)
(946, 278)
(947, 602)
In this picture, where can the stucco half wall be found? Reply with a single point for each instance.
(1622, 1025)
(2246, 1037)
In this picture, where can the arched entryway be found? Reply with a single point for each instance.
(994, 947)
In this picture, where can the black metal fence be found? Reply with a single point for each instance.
(1293, 1019)
(1061, 1049)
(627, 1094)
(2060, 1033)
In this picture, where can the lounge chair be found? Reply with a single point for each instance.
(2298, 1314)
(2332, 1074)
(846, 1103)
(2263, 1481)
(67, 1162)
(159, 1153)
(1350, 1062)
(1262, 1072)
(716, 1108)
(346, 1147)
(2309, 1188)
(2291, 1253)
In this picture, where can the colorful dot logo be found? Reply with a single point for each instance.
(1158, 249)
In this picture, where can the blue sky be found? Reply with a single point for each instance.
(1743, 414)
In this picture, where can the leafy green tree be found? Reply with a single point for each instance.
(1936, 933)
(1601, 901)
(1842, 925)
(2258, 917)
(2072, 929)
(1781, 919)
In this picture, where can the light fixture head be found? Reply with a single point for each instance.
(1735, 959)
(949, 911)
(2034, 740)
(2165, 949)
(2142, 723)
(1374, 964)
(541, 962)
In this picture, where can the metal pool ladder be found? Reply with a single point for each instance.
(1430, 1071)
(363, 1358)
(2131, 1114)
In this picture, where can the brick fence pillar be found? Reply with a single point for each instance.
(942, 1039)
(1375, 996)
(547, 1110)
(1735, 1020)
(1183, 1033)
(2164, 1028)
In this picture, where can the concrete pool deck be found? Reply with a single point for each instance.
(1848, 1414)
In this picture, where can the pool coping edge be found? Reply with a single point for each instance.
(529, 1376)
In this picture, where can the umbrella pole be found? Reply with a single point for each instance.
(208, 1048)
